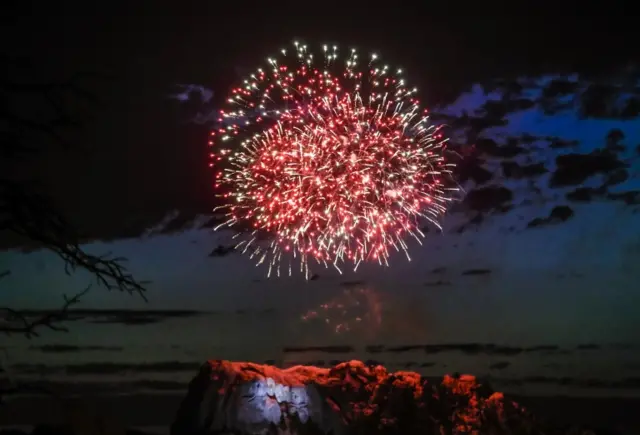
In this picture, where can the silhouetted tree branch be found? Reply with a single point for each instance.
(32, 216)
(19, 321)
(52, 95)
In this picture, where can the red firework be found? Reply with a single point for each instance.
(337, 163)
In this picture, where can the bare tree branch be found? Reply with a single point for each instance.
(32, 216)
(16, 125)
(17, 322)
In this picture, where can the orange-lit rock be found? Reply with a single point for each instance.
(234, 397)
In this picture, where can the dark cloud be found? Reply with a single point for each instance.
(350, 284)
(401, 349)
(559, 214)
(221, 251)
(631, 197)
(488, 198)
(588, 346)
(498, 109)
(559, 88)
(500, 365)
(438, 283)
(177, 223)
(600, 101)
(490, 148)
(471, 168)
(477, 272)
(143, 158)
(517, 171)
(585, 194)
(125, 317)
(128, 320)
(91, 388)
(557, 143)
(107, 368)
(67, 348)
(192, 92)
(466, 348)
(623, 384)
(323, 349)
(255, 312)
(542, 348)
(574, 169)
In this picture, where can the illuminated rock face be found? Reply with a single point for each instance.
(229, 397)
(262, 401)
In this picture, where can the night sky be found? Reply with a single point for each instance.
(140, 158)
(160, 159)
(532, 282)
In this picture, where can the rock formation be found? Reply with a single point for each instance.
(246, 398)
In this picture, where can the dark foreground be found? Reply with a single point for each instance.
(351, 397)
(618, 415)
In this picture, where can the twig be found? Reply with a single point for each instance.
(19, 323)
(33, 217)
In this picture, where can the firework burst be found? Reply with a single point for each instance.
(332, 159)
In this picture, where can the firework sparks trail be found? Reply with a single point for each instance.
(357, 309)
(336, 162)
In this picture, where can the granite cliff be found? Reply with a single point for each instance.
(247, 398)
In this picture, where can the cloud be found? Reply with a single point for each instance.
(558, 214)
(501, 365)
(192, 92)
(67, 348)
(438, 283)
(197, 102)
(350, 284)
(623, 384)
(466, 348)
(106, 368)
(124, 317)
(222, 251)
(497, 151)
(91, 387)
(476, 272)
(323, 349)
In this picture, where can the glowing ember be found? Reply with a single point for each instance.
(357, 309)
(335, 162)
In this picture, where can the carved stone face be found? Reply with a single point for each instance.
(266, 399)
